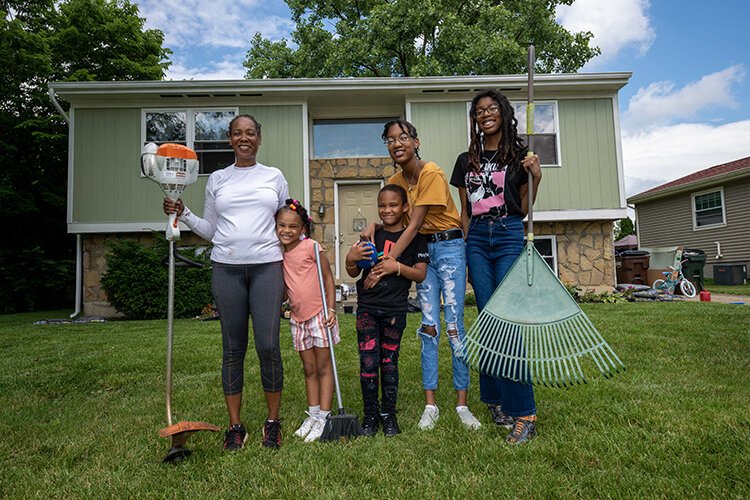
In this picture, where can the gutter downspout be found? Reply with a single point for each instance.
(79, 240)
(79, 275)
(56, 103)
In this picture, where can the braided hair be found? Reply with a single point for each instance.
(511, 147)
(293, 205)
(405, 127)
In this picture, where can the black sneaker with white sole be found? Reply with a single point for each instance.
(499, 416)
(235, 437)
(272, 434)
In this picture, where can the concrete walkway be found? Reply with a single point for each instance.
(724, 298)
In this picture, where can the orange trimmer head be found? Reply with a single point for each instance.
(179, 433)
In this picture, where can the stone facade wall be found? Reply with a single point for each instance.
(585, 252)
(323, 174)
(95, 301)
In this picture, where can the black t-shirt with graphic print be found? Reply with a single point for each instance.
(391, 293)
(492, 191)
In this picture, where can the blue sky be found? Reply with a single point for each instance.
(687, 106)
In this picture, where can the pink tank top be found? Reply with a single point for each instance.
(301, 280)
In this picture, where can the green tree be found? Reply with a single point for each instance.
(624, 227)
(43, 41)
(343, 38)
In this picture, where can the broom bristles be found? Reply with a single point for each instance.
(341, 427)
(546, 354)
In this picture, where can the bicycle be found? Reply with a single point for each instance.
(672, 279)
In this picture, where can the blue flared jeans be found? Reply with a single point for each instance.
(492, 246)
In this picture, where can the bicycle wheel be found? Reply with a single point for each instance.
(688, 289)
(658, 285)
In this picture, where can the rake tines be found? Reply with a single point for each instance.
(532, 331)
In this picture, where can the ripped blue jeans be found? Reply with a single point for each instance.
(446, 277)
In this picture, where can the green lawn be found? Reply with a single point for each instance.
(732, 290)
(82, 406)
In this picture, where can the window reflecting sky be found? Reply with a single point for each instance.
(349, 138)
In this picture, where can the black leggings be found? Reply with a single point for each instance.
(379, 336)
(253, 290)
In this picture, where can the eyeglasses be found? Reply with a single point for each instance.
(489, 110)
(403, 139)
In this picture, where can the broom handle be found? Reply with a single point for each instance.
(328, 330)
(530, 137)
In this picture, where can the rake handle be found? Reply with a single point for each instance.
(530, 135)
(530, 184)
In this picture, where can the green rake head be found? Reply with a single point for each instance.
(532, 331)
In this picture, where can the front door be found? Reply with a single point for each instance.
(357, 207)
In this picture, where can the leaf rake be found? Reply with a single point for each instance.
(531, 330)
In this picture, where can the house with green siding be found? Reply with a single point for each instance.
(324, 135)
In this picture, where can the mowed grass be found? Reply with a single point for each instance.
(743, 290)
(82, 405)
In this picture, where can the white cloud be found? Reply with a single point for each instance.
(228, 69)
(220, 23)
(660, 155)
(660, 103)
(615, 24)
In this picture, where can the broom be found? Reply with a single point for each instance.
(341, 425)
(531, 329)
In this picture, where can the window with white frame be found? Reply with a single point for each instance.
(349, 138)
(547, 248)
(546, 137)
(708, 209)
(203, 130)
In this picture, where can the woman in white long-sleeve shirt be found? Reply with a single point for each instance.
(247, 280)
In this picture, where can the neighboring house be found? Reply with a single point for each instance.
(708, 210)
(324, 134)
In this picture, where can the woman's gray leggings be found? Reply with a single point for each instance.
(253, 290)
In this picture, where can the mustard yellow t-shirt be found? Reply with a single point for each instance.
(431, 190)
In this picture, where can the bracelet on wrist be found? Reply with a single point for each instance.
(399, 268)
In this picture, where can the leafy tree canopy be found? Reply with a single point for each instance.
(43, 41)
(624, 227)
(359, 38)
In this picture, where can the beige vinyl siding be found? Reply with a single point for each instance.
(669, 222)
(587, 178)
(107, 184)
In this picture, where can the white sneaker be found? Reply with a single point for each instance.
(316, 430)
(468, 418)
(307, 424)
(458, 348)
(429, 417)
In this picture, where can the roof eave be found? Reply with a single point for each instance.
(689, 187)
(612, 82)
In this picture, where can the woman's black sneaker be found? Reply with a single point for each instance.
(370, 424)
(272, 434)
(390, 424)
(499, 416)
(235, 437)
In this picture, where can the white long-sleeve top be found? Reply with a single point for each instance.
(238, 215)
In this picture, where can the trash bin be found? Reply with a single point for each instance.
(693, 268)
(730, 274)
(632, 267)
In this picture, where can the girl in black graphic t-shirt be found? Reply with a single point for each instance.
(492, 180)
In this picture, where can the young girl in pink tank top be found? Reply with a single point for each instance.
(307, 321)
